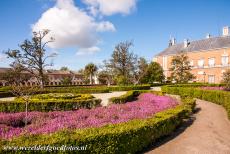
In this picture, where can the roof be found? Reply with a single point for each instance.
(199, 45)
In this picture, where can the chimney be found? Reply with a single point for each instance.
(186, 43)
(208, 36)
(173, 41)
(226, 31)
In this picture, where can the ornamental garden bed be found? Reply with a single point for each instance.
(51, 102)
(118, 128)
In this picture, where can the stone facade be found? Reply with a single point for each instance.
(209, 57)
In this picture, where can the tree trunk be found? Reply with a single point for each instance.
(90, 78)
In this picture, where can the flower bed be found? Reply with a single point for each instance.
(51, 102)
(147, 105)
(128, 137)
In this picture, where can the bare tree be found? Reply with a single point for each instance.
(32, 55)
(25, 93)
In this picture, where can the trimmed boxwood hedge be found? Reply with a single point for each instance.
(49, 105)
(130, 87)
(5, 91)
(130, 96)
(216, 96)
(128, 137)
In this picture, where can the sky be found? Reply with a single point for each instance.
(87, 30)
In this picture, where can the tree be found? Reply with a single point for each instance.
(123, 63)
(153, 73)
(142, 66)
(106, 76)
(32, 55)
(25, 93)
(90, 70)
(226, 79)
(16, 75)
(66, 80)
(64, 68)
(180, 70)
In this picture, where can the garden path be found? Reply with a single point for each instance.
(106, 96)
(7, 99)
(209, 133)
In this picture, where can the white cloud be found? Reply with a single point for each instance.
(87, 51)
(71, 26)
(110, 7)
(2, 57)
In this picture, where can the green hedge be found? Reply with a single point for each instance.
(130, 96)
(215, 96)
(128, 137)
(45, 105)
(6, 94)
(131, 87)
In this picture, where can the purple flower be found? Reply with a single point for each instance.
(147, 104)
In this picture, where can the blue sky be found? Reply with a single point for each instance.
(148, 23)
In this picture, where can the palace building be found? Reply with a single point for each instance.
(55, 77)
(208, 57)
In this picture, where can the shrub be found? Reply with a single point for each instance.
(216, 96)
(128, 137)
(131, 87)
(45, 103)
(130, 96)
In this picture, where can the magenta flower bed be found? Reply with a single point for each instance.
(11, 124)
(213, 88)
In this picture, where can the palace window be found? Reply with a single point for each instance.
(211, 62)
(224, 60)
(211, 79)
(201, 63)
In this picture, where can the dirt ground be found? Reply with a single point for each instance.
(106, 96)
(207, 133)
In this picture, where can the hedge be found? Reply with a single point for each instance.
(130, 87)
(128, 137)
(46, 105)
(130, 96)
(215, 96)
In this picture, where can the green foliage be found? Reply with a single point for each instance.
(181, 68)
(128, 137)
(215, 96)
(226, 78)
(154, 73)
(51, 102)
(66, 81)
(130, 96)
(130, 87)
(90, 70)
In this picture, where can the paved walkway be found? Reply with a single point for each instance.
(209, 133)
(106, 96)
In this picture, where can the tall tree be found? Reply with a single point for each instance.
(180, 70)
(123, 62)
(153, 73)
(64, 68)
(32, 55)
(142, 66)
(90, 70)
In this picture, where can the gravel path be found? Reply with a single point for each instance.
(209, 133)
(7, 99)
(106, 96)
